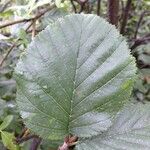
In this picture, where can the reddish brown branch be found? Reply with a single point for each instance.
(23, 132)
(139, 22)
(125, 16)
(69, 143)
(82, 4)
(122, 9)
(113, 11)
(15, 22)
(73, 5)
(140, 41)
(35, 143)
(5, 57)
(98, 7)
(26, 138)
(33, 29)
(81, 1)
(81, 8)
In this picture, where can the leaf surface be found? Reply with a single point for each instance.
(8, 140)
(6, 122)
(74, 77)
(131, 130)
(2, 106)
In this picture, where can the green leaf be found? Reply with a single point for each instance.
(7, 88)
(41, 3)
(7, 120)
(20, 10)
(131, 130)
(144, 58)
(74, 77)
(2, 106)
(8, 140)
(24, 39)
(33, 4)
(58, 3)
(6, 14)
(53, 15)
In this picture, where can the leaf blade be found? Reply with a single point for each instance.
(72, 75)
(8, 142)
(129, 131)
(7, 120)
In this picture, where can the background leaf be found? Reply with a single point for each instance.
(7, 120)
(58, 2)
(2, 106)
(74, 77)
(40, 3)
(8, 140)
(53, 15)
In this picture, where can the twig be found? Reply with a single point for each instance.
(81, 8)
(26, 133)
(140, 41)
(30, 25)
(139, 22)
(14, 22)
(26, 138)
(22, 132)
(26, 20)
(36, 30)
(125, 16)
(122, 9)
(35, 143)
(81, 1)
(113, 11)
(69, 142)
(98, 7)
(33, 29)
(82, 4)
(73, 5)
(11, 48)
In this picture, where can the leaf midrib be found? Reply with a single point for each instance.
(75, 74)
